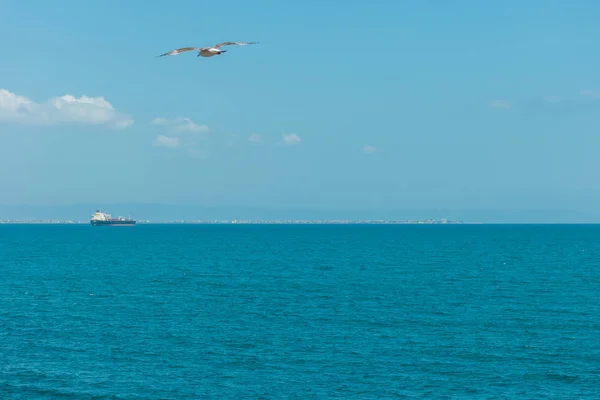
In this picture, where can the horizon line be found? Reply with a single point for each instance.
(291, 222)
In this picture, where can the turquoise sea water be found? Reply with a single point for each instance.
(306, 312)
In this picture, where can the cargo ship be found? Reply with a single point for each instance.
(103, 219)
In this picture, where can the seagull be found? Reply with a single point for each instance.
(207, 51)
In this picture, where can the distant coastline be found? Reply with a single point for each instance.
(244, 222)
(194, 214)
(299, 222)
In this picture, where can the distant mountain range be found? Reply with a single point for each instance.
(196, 212)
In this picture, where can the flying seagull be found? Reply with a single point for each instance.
(207, 51)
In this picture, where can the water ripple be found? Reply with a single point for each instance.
(311, 312)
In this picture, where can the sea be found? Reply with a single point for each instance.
(300, 312)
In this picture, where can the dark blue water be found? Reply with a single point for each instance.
(279, 312)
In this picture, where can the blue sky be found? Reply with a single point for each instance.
(385, 104)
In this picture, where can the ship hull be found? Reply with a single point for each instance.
(112, 223)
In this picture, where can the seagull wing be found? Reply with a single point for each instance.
(233, 44)
(180, 50)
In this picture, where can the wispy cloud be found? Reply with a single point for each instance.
(590, 93)
(552, 106)
(165, 141)
(63, 110)
(369, 149)
(180, 132)
(291, 139)
(501, 104)
(254, 138)
(180, 124)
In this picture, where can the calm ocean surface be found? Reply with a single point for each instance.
(306, 312)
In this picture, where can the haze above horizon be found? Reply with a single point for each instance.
(362, 106)
(169, 212)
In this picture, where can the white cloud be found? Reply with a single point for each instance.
(500, 104)
(180, 125)
(61, 110)
(166, 141)
(591, 93)
(369, 149)
(291, 139)
(254, 138)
